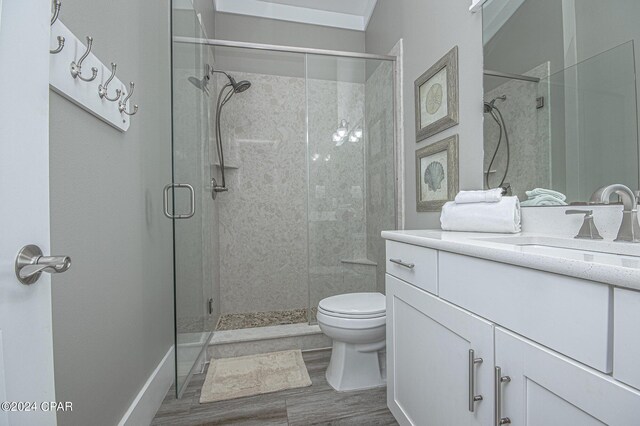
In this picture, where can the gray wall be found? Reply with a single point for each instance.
(112, 311)
(268, 31)
(430, 28)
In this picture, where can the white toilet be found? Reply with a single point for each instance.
(356, 323)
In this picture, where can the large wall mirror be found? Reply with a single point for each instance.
(561, 116)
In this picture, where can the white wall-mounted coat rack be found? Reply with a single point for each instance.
(82, 90)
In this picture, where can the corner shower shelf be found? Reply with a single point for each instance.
(228, 166)
(366, 262)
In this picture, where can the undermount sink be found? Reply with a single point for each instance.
(605, 252)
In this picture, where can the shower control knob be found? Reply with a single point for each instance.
(215, 188)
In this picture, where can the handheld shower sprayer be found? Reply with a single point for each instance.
(224, 96)
(491, 108)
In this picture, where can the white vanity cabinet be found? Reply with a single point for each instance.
(434, 351)
(551, 335)
(542, 387)
(626, 347)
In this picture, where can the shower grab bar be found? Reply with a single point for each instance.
(192, 199)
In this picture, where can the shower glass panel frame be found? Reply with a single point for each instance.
(329, 209)
(193, 267)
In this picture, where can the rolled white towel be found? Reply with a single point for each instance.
(543, 200)
(489, 196)
(501, 217)
(543, 191)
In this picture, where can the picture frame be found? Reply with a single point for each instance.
(437, 174)
(436, 97)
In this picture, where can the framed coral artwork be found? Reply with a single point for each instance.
(436, 97)
(437, 174)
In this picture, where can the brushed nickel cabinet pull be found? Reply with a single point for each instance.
(401, 263)
(473, 398)
(499, 380)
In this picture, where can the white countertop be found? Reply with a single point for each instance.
(603, 261)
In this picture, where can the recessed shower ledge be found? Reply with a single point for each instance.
(359, 262)
(227, 166)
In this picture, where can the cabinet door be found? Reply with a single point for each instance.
(428, 354)
(547, 389)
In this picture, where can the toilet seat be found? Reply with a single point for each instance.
(354, 305)
(350, 323)
(350, 316)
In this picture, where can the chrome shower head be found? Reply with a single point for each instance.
(202, 83)
(242, 86)
(489, 106)
(238, 87)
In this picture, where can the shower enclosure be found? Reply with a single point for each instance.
(309, 163)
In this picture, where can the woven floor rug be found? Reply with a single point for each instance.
(230, 378)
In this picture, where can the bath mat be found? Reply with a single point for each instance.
(230, 378)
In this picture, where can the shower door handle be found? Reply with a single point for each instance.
(192, 201)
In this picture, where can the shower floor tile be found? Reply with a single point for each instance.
(262, 319)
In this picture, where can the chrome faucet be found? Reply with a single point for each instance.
(588, 231)
(629, 228)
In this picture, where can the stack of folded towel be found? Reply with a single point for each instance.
(482, 211)
(544, 197)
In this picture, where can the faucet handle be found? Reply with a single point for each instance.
(584, 212)
(588, 230)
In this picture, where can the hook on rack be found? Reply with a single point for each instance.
(76, 67)
(103, 88)
(122, 105)
(60, 46)
(56, 11)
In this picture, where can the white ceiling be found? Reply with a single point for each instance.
(349, 14)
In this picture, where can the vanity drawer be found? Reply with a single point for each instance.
(626, 336)
(413, 264)
(569, 315)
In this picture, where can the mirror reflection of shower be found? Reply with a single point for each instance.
(226, 93)
(491, 109)
(202, 83)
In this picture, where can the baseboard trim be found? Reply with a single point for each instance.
(144, 407)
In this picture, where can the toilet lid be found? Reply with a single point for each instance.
(355, 304)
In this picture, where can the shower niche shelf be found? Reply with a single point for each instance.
(366, 262)
(227, 166)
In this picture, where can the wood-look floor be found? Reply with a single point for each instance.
(317, 404)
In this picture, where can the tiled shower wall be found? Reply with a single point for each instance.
(380, 165)
(337, 203)
(263, 218)
(285, 243)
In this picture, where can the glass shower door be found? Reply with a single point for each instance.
(188, 199)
